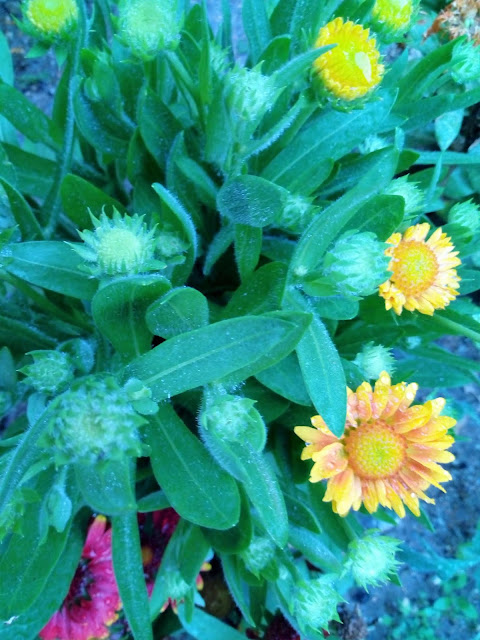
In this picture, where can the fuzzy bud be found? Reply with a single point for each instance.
(234, 419)
(465, 214)
(413, 196)
(250, 95)
(296, 214)
(259, 554)
(373, 359)
(51, 371)
(465, 61)
(120, 245)
(392, 18)
(51, 19)
(357, 264)
(315, 603)
(149, 26)
(95, 421)
(372, 559)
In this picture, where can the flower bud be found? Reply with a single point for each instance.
(466, 214)
(259, 554)
(121, 245)
(315, 603)
(392, 18)
(170, 245)
(51, 371)
(465, 61)
(148, 26)
(357, 263)
(296, 214)
(94, 421)
(373, 359)
(234, 419)
(51, 19)
(372, 559)
(413, 196)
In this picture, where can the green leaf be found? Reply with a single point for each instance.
(218, 246)
(79, 195)
(31, 621)
(285, 378)
(323, 229)
(158, 125)
(260, 293)
(250, 200)
(470, 280)
(322, 371)
(334, 307)
(420, 113)
(194, 484)
(232, 571)
(34, 173)
(155, 501)
(447, 127)
(248, 245)
(305, 164)
(128, 567)
(382, 216)
(22, 212)
(119, 310)
(51, 265)
(256, 474)
(181, 310)
(26, 562)
(202, 626)
(241, 345)
(24, 115)
(237, 538)
(184, 225)
(294, 68)
(257, 27)
(108, 486)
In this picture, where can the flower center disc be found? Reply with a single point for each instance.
(414, 267)
(374, 450)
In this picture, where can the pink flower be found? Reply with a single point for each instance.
(92, 602)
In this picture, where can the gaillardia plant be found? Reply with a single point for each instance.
(209, 236)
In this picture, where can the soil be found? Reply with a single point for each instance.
(388, 612)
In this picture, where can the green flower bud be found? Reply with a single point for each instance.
(315, 603)
(357, 264)
(259, 554)
(121, 245)
(410, 192)
(373, 359)
(466, 214)
(465, 61)
(169, 245)
(392, 18)
(250, 95)
(50, 19)
(372, 559)
(296, 215)
(234, 419)
(149, 26)
(94, 421)
(51, 371)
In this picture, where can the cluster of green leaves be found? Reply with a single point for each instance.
(215, 155)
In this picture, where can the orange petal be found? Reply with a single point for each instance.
(329, 462)
(413, 418)
(396, 501)
(370, 497)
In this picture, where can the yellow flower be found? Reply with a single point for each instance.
(52, 17)
(351, 69)
(389, 453)
(423, 274)
(393, 14)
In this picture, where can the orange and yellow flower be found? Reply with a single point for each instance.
(352, 68)
(388, 454)
(423, 272)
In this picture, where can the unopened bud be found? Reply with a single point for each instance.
(372, 559)
(51, 371)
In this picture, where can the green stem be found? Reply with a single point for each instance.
(52, 201)
(43, 303)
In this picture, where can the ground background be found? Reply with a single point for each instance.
(437, 601)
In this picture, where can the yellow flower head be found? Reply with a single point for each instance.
(351, 69)
(393, 14)
(423, 272)
(52, 17)
(389, 453)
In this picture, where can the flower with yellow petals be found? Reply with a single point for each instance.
(388, 454)
(351, 69)
(423, 272)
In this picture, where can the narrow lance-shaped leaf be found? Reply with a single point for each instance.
(127, 563)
